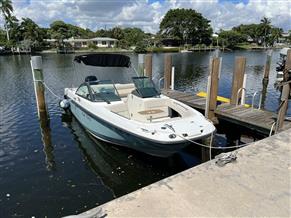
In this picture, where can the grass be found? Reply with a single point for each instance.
(246, 46)
(163, 49)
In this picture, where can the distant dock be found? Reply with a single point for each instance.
(257, 184)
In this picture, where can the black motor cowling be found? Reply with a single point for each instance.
(91, 79)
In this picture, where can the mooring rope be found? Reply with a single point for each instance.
(271, 131)
(48, 88)
(211, 140)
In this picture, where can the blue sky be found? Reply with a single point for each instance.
(147, 14)
(234, 1)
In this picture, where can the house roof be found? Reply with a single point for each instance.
(103, 38)
(84, 40)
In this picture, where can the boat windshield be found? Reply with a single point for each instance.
(104, 90)
(145, 87)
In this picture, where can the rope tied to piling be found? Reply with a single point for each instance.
(49, 89)
(211, 140)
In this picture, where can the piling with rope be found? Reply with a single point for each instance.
(37, 74)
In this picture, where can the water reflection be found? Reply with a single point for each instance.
(121, 169)
(258, 69)
(188, 76)
(46, 139)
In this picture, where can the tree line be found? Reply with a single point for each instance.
(178, 27)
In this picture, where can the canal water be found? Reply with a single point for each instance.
(60, 170)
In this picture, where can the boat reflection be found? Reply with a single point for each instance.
(123, 170)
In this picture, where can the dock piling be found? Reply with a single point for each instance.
(167, 71)
(237, 80)
(265, 81)
(268, 65)
(148, 66)
(212, 89)
(36, 66)
(285, 94)
(37, 74)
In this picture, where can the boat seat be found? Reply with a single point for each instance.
(124, 89)
(120, 109)
(147, 109)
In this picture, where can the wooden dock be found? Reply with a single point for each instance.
(247, 117)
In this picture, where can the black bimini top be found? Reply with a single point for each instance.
(104, 60)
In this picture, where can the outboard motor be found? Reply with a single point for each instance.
(91, 79)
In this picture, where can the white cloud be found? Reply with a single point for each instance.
(141, 13)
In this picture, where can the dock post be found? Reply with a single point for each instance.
(167, 71)
(268, 65)
(212, 89)
(237, 79)
(36, 66)
(148, 66)
(140, 67)
(285, 94)
(265, 81)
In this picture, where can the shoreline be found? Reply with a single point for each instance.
(150, 51)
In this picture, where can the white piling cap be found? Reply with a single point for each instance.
(140, 58)
(36, 62)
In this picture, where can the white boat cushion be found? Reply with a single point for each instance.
(147, 109)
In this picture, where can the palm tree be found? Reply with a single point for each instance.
(266, 26)
(6, 9)
(276, 33)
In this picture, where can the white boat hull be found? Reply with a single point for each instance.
(150, 137)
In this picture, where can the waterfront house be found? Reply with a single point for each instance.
(101, 42)
(284, 39)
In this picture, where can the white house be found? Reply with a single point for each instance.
(102, 42)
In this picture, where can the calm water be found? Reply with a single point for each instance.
(59, 170)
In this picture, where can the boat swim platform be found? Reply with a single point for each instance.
(254, 119)
(257, 184)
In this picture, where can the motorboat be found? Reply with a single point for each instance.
(134, 115)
